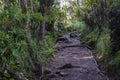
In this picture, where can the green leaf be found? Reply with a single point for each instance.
(4, 58)
(12, 79)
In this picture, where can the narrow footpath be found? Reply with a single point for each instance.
(73, 61)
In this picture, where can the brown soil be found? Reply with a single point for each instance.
(73, 61)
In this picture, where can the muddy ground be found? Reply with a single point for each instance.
(73, 61)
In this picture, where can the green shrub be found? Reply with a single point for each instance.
(99, 41)
(103, 42)
(78, 25)
(91, 37)
(113, 66)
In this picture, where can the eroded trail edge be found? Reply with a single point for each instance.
(73, 61)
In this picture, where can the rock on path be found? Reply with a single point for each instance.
(73, 61)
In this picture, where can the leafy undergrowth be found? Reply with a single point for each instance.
(15, 59)
(14, 55)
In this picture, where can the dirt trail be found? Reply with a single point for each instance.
(73, 61)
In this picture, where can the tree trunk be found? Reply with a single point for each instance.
(43, 30)
(32, 54)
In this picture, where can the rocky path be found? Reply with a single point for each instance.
(73, 61)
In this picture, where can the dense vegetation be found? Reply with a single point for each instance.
(29, 28)
(102, 32)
